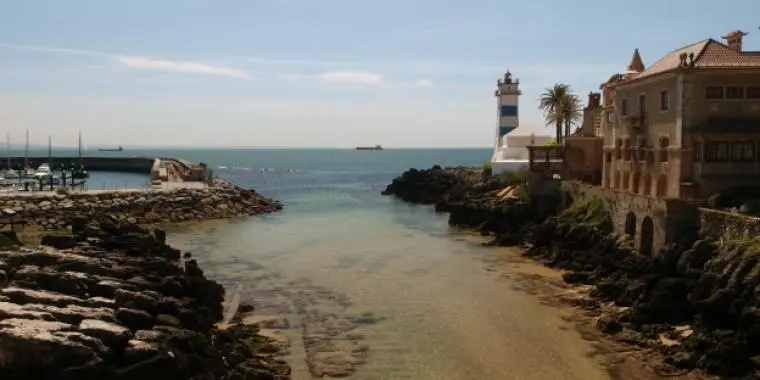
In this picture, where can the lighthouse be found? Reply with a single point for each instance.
(509, 148)
(507, 100)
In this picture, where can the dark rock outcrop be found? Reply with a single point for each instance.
(501, 206)
(114, 302)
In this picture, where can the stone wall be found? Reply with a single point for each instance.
(631, 213)
(672, 219)
(728, 226)
(220, 201)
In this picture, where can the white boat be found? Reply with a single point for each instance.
(11, 174)
(43, 171)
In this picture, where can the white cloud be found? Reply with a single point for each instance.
(48, 49)
(423, 83)
(189, 67)
(351, 77)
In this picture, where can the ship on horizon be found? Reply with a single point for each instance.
(376, 147)
(119, 149)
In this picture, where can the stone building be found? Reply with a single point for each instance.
(688, 125)
(583, 149)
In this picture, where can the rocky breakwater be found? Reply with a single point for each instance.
(220, 201)
(696, 304)
(502, 206)
(113, 301)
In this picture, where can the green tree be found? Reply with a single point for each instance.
(571, 112)
(550, 104)
(560, 108)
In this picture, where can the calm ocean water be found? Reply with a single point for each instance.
(444, 310)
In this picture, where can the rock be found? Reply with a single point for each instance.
(113, 335)
(609, 324)
(134, 319)
(115, 305)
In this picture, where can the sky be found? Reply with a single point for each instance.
(328, 73)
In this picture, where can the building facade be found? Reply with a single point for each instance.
(687, 126)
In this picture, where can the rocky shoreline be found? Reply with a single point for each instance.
(113, 301)
(694, 307)
(221, 200)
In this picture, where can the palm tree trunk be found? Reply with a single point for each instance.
(567, 128)
(559, 133)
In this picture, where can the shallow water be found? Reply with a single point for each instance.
(440, 313)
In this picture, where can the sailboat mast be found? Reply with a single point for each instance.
(26, 152)
(50, 152)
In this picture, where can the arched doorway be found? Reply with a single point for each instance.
(662, 186)
(647, 184)
(630, 224)
(647, 236)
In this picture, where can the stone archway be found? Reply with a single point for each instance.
(647, 236)
(662, 186)
(630, 224)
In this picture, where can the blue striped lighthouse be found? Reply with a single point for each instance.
(507, 94)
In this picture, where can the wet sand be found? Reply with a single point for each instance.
(392, 296)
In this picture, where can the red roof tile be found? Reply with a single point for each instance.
(708, 54)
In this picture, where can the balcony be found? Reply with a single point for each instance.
(636, 121)
(547, 158)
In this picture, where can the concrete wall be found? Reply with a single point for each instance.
(119, 164)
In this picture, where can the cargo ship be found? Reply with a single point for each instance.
(119, 149)
(376, 147)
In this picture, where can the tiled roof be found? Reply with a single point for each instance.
(672, 60)
(718, 55)
(708, 54)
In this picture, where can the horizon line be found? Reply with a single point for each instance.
(147, 147)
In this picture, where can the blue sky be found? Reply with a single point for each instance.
(340, 73)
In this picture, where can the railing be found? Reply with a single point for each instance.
(546, 158)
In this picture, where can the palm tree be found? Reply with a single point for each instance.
(570, 112)
(550, 104)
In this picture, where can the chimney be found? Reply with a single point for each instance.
(734, 40)
(594, 100)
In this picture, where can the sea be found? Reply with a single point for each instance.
(437, 305)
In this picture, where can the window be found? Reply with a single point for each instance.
(753, 92)
(716, 151)
(664, 100)
(508, 111)
(734, 92)
(624, 107)
(714, 93)
(610, 117)
(743, 151)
